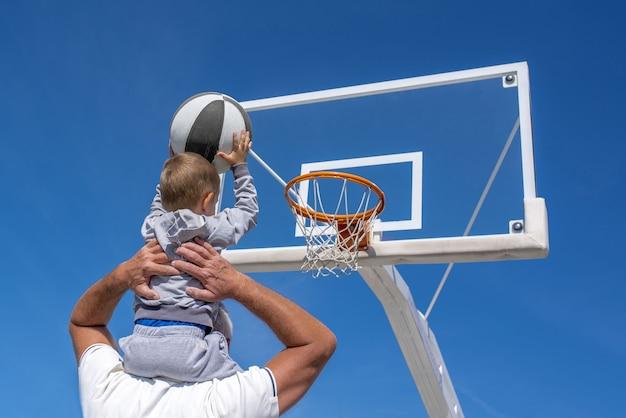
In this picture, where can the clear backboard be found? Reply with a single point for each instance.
(452, 152)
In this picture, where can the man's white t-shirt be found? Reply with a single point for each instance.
(107, 391)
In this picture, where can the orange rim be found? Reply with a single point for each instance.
(323, 217)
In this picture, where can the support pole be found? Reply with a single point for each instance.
(274, 174)
(268, 168)
(417, 341)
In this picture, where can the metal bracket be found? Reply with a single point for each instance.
(509, 80)
(516, 226)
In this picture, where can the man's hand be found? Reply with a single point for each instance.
(147, 262)
(241, 147)
(219, 278)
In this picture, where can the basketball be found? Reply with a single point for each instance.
(205, 124)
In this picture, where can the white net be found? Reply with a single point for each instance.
(334, 238)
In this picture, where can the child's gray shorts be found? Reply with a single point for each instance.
(181, 353)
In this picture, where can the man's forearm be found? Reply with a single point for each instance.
(95, 307)
(309, 344)
(293, 326)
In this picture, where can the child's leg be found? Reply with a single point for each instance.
(181, 353)
(222, 323)
(216, 362)
(159, 351)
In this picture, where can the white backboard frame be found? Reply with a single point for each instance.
(532, 242)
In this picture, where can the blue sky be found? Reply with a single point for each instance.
(88, 90)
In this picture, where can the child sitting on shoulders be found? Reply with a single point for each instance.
(176, 336)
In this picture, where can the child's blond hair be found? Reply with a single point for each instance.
(185, 179)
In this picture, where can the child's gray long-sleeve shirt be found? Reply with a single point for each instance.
(171, 229)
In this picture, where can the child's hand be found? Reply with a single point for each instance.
(241, 146)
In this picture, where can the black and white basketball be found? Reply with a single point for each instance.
(205, 124)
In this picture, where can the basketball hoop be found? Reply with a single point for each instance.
(334, 238)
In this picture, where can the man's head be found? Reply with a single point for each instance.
(189, 181)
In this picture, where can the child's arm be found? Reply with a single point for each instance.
(232, 223)
(156, 210)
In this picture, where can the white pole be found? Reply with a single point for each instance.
(477, 209)
(272, 173)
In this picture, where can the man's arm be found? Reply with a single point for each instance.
(95, 307)
(308, 343)
(93, 311)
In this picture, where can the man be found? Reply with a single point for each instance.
(107, 391)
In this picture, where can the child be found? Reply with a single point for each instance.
(176, 336)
